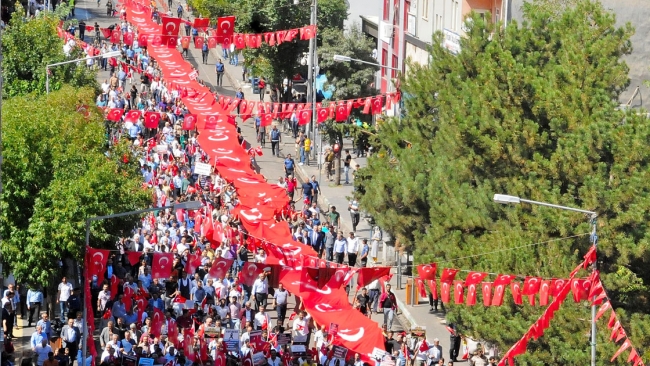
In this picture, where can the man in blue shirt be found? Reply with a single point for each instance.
(220, 68)
(45, 324)
(37, 337)
(289, 164)
(34, 301)
(315, 189)
(134, 130)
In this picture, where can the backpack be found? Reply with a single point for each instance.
(275, 134)
(180, 9)
(307, 144)
(204, 48)
(219, 67)
(330, 157)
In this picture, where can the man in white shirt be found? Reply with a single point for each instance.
(301, 325)
(353, 249)
(435, 352)
(62, 295)
(260, 290)
(421, 351)
(262, 320)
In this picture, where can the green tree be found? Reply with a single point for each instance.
(528, 111)
(260, 16)
(349, 80)
(55, 175)
(214, 8)
(28, 46)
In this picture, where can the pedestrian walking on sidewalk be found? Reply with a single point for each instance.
(353, 207)
(276, 138)
(389, 304)
(219, 68)
(205, 52)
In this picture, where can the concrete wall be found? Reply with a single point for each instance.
(637, 12)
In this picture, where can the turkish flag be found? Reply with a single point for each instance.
(448, 275)
(433, 288)
(116, 36)
(531, 288)
(143, 40)
(291, 35)
(220, 267)
(445, 291)
(308, 32)
(421, 288)
(198, 42)
(189, 122)
(486, 288)
(580, 289)
(603, 308)
(97, 262)
(193, 263)
(427, 271)
(128, 38)
(213, 42)
(458, 291)
(342, 112)
(369, 274)
(304, 116)
(239, 41)
(322, 113)
(544, 292)
(266, 119)
(471, 295)
(151, 119)
(366, 105)
(189, 348)
(253, 40)
(161, 266)
(115, 282)
(335, 277)
(377, 105)
(515, 288)
(200, 23)
(170, 26)
(133, 257)
(114, 114)
(474, 278)
(280, 36)
(169, 41)
(132, 116)
(106, 32)
(250, 272)
(626, 344)
(127, 299)
(226, 26)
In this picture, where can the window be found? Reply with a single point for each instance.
(384, 61)
(386, 9)
(413, 7)
(425, 9)
(395, 60)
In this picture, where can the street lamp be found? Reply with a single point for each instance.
(47, 67)
(341, 58)
(507, 199)
(188, 205)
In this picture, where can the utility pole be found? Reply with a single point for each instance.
(312, 73)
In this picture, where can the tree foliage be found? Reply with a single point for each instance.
(55, 175)
(260, 16)
(528, 111)
(28, 46)
(350, 80)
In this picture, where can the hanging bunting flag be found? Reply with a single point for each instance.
(458, 291)
(544, 290)
(486, 288)
(515, 288)
(427, 271)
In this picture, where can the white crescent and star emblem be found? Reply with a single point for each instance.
(173, 27)
(348, 335)
(160, 262)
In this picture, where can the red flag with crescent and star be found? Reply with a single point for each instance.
(500, 284)
(170, 26)
(427, 271)
(220, 267)
(249, 273)
(161, 266)
(97, 262)
(225, 28)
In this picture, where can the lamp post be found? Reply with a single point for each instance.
(189, 205)
(506, 199)
(47, 67)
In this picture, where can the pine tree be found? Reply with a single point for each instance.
(528, 111)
